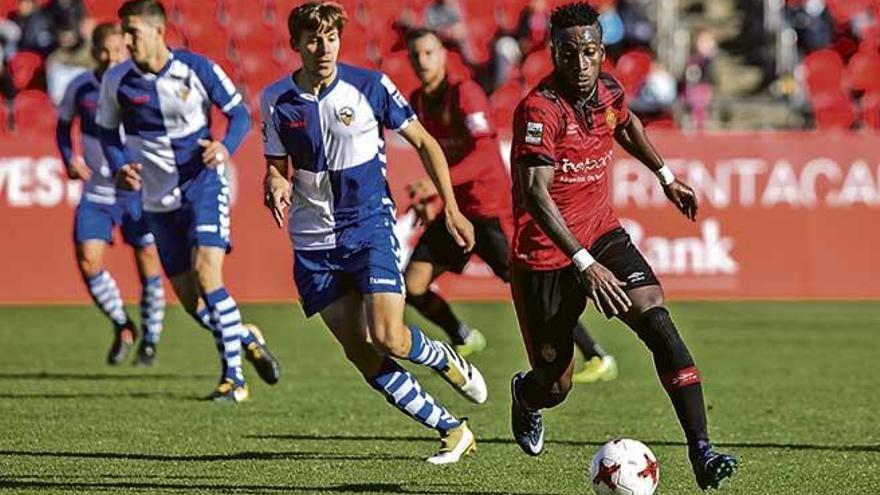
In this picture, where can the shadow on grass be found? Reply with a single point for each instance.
(576, 443)
(42, 375)
(234, 456)
(105, 395)
(15, 484)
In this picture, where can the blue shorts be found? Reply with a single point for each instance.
(324, 276)
(201, 220)
(95, 222)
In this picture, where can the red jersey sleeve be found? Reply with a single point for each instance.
(535, 128)
(474, 106)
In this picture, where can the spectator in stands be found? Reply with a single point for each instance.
(36, 29)
(699, 78)
(72, 57)
(444, 17)
(812, 23)
(7, 88)
(533, 27)
(10, 33)
(625, 26)
(64, 13)
(656, 97)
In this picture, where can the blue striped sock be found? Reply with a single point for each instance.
(227, 320)
(403, 391)
(152, 308)
(203, 316)
(425, 351)
(105, 293)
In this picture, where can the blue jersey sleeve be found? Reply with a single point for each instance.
(391, 105)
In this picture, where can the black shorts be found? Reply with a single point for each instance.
(436, 246)
(549, 303)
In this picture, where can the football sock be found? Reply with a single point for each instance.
(677, 372)
(203, 317)
(425, 351)
(105, 293)
(152, 308)
(226, 318)
(437, 310)
(585, 343)
(402, 390)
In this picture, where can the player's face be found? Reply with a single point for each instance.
(111, 52)
(143, 37)
(428, 58)
(577, 55)
(319, 50)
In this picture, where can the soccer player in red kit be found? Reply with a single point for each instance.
(568, 244)
(455, 110)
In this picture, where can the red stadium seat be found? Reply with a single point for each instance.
(844, 10)
(24, 67)
(33, 112)
(103, 10)
(823, 71)
(632, 69)
(536, 66)
(504, 101)
(396, 66)
(833, 111)
(871, 110)
(863, 70)
(4, 117)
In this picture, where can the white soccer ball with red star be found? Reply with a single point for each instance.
(624, 467)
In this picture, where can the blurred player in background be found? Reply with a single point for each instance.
(162, 99)
(456, 112)
(569, 246)
(328, 119)
(102, 208)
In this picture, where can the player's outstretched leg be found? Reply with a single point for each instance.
(442, 358)
(105, 293)
(598, 365)
(226, 320)
(681, 379)
(152, 316)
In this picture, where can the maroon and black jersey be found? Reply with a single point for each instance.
(458, 116)
(578, 143)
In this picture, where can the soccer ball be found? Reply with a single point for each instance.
(624, 467)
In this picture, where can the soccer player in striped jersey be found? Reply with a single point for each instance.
(162, 98)
(328, 119)
(101, 208)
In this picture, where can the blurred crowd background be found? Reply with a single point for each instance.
(686, 64)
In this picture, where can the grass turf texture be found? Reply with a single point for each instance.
(791, 390)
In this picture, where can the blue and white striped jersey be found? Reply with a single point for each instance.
(336, 143)
(163, 116)
(81, 100)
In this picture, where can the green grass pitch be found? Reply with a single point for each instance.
(793, 390)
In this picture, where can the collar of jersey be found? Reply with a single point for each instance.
(163, 70)
(321, 94)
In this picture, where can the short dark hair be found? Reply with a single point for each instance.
(102, 32)
(421, 32)
(574, 14)
(145, 8)
(312, 15)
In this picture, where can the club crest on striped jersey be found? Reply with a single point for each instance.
(345, 115)
(610, 118)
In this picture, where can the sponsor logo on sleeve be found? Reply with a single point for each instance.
(534, 132)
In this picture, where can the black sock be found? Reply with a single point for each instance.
(436, 309)
(677, 372)
(585, 343)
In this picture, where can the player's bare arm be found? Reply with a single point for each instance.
(602, 286)
(632, 137)
(438, 170)
(276, 188)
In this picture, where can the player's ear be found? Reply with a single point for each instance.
(293, 44)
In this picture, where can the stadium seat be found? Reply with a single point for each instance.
(844, 10)
(504, 101)
(396, 66)
(536, 66)
(871, 109)
(24, 67)
(33, 112)
(833, 111)
(632, 69)
(103, 10)
(823, 71)
(4, 117)
(863, 69)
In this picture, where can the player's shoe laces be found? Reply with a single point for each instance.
(527, 426)
(475, 342)
(146, 354)
(463, 376)
(122, 342)
(597, 369)
(257, 352)
(228, 390)
(454, 444)
(711, 468)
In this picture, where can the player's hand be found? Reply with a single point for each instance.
(129, 177)
(421, 189)
(605, 290)
(79, 170)
(277, 196)
(461, 229)
(215, 153)
(426, 211)
(683, 197)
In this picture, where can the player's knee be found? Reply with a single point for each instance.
(391, 339)
(89, 264)
(208, 274)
